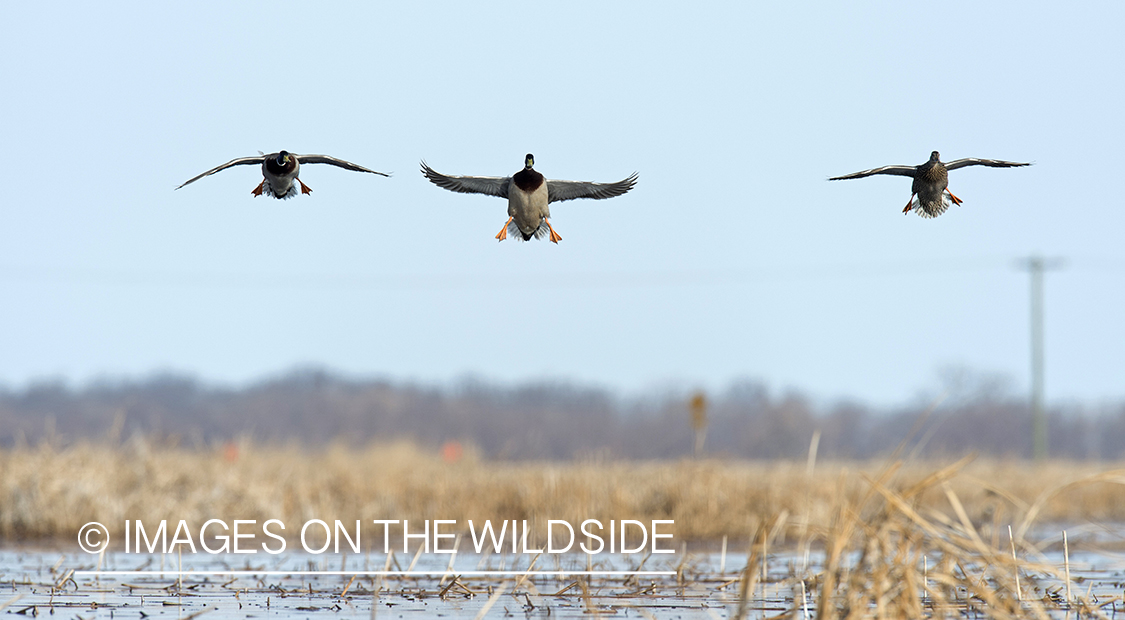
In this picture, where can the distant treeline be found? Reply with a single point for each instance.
(548, 420)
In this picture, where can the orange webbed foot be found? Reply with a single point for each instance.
(555, 237)
(909, 204)
(956, 200)
(503, 234)
(305, 189)
(258, 190)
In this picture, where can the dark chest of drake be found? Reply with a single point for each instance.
(527, 180)
(279, 169)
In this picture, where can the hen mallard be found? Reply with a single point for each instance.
(529, 195)
(931, 181)
(280, 171)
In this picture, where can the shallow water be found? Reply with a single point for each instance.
(215, 587)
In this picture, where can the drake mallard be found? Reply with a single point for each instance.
(931, 181)
(280, 171)
(528, 204)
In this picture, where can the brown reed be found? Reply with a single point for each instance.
(48, 491)
(893, 539)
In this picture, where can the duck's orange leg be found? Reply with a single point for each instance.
(503, 234)
(956, 200)
(910, 202)
(258, 190)
(555, 237)
(305, 189)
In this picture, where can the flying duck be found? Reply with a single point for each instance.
(280, 171)
(931, 181)
(528, 194)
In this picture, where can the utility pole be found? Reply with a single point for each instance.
(1036, 265)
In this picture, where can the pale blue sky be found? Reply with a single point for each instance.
(733, 257)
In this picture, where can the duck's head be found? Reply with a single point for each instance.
(283, 158)
(528, 161)
(934, 156)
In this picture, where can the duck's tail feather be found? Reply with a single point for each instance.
(932, 209)
(267, 190)
(515, 232)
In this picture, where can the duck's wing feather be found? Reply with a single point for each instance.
(328, 159)
(902, 171)
(976, 161)
(492, 186)
(241, 161)
(569, 190)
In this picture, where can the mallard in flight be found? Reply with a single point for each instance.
(280, 171)
(931, 181)
(529, 195)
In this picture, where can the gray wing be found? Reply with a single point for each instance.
(902, 171)
(976, 161)
(492, 186)
(241, 161)
(569, 190)
(327, 159)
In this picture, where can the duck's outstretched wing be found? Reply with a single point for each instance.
(569, 190)
(328, 159)
(492, 186)
(976, 161)
(902, 171)
(241, 161)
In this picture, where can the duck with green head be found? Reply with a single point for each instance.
(529, 196)
(280, 170)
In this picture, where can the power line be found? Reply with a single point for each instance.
(836, 271)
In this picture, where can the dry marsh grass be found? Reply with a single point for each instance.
(891, 539)
(51, 492)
